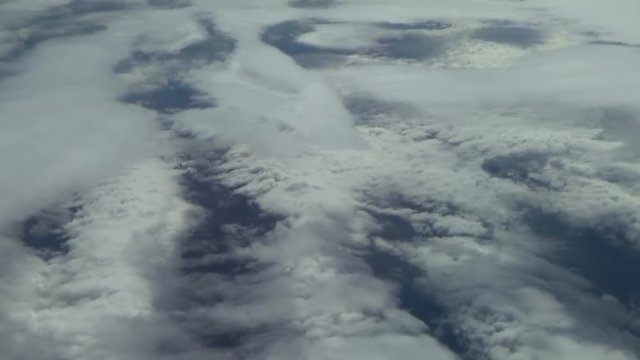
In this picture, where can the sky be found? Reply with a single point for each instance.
(319, 179)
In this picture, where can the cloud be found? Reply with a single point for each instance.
(189, 179)
(88, 301)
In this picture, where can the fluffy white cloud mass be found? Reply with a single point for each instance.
(319, 179)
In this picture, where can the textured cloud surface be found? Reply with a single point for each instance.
(319, 179)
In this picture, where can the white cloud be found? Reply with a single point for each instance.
(98, 299)
(60, 130)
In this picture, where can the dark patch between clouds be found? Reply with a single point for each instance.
(602, 252)
(313, 4)
(81, 7)
(393, 213)
(522, 168)
(392, 227)
(420, 25)
(44, 231)
(509, 34)
(215, 48)
(368, 110)
(169, 4)
(409, 47)
(211, 272)
(320, 60)
(284, 36)
(40, 32)
(413, 295)
(169, 98)
(395, 200)
(413, 298)
(63, 21)
(231, 220)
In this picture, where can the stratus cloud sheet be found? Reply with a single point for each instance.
(319, 179)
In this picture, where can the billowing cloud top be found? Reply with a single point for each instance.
(319, 179)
